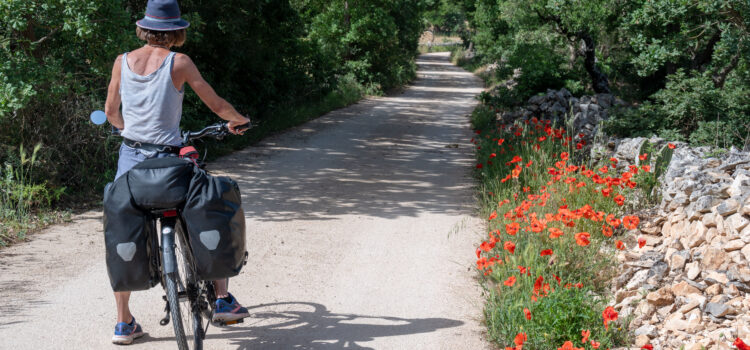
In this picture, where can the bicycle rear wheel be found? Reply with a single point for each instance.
(183, 298)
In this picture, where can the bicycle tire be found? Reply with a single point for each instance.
(174, 310)
(190, 309)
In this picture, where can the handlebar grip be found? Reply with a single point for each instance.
(243, 127)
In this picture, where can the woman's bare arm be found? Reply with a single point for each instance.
(186, 71)
(112, 106)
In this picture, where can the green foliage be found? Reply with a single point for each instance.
(483, 118)
(376, 40)
(680, 62)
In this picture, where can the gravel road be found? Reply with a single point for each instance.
(360, 232)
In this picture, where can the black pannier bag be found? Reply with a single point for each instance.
(155, 183)
(126, 232)
(215, 222)
(160, 183)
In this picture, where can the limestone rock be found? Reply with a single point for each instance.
(714, 258)
(684, 289)
(647, 330)
(719, 309)
(728, 207)
(693, 270)
(735, 244)
(661, 297)
(714, 290)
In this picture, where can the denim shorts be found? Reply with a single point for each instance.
(130, 157)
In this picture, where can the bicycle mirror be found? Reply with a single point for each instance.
(98, 117)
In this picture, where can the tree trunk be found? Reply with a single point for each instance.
(720, 77)
(599, 80)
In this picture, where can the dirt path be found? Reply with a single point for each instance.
(359, 228)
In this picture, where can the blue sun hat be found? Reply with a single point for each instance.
(162, 15)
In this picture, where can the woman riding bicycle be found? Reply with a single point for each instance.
(149, 83)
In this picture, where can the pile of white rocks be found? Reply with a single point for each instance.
(689, 286)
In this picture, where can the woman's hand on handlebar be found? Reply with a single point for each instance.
(238, 127)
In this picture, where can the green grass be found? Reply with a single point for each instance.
(442, 48)
(576, 302)
(24, 205)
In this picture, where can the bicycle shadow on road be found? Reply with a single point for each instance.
(304, 325)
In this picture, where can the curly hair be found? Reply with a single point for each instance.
(169, 38)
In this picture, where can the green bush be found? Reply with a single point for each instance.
(690, 108)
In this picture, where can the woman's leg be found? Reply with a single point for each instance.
(123, 309)
(220, 286)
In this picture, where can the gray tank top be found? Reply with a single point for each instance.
(151, 105)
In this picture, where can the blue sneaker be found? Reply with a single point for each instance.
(125, 333)
(227, 312)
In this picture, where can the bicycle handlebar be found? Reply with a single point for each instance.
(217, 131)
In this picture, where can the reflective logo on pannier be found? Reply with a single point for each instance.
(126, 251)
(210, 239)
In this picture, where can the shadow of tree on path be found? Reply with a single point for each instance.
(304, 325)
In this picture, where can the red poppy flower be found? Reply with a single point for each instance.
(516, 159)
(510, 246)
(479, 166)
(538, 283)
(582, 238)
(609, 315)
(545, 252)
(527, 313)
(613, 221)
(595, 344)
(740, 344)
(606, 191)
(606, 231)
(619, 245)
(520, 339)
(641, 242)
(564, 156)
(512, 228)
(521, 269)
(516, 171)
(613, 160)
(555, 232)
(648, 347)
(643, 156)
(493, 215)
(586, 334)
(568, 345)
(619, 199)
(670, 145)
(493, 155)
(537, 226)
(500, 142)
(646, 168)
(630, 222)
(510, 281)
